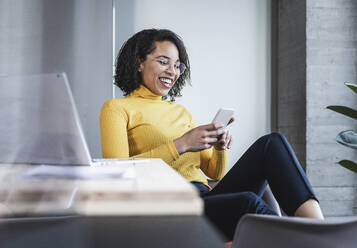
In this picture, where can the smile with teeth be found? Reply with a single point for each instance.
(166, 81)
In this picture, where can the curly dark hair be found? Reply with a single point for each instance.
(134, 51)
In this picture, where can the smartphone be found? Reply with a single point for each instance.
(223, 116)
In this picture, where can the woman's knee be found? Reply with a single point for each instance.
(275, 136)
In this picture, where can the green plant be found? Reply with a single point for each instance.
(349, 137)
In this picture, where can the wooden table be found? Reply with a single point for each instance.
(156, 190)
(157, 208)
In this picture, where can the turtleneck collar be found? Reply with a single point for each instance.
(144, 92)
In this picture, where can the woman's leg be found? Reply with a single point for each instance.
(225, 210)
(309, 209)
(271, 158)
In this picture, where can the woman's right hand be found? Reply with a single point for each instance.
(199, 138)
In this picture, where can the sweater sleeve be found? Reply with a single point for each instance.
(114, 137)
(212, 162)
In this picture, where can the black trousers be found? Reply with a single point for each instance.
(271, 160)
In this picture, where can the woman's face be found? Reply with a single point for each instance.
(159, 71)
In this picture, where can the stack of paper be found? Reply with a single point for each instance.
(80, 172)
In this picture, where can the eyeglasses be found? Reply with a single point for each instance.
(179, 67)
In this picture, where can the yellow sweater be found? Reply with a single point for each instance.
(142, 125)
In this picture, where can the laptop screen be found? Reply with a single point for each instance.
(39, 121)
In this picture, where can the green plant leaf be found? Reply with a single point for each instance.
(352, 86)
(347, 138)
(344, 110)
(348, 164)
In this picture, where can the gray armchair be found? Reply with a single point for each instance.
(265, 231)
(293, 232)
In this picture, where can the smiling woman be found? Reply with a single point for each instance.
(152, 65)
(157, 72)
(151, 54)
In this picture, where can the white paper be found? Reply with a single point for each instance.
(118, 161)
(80, 172)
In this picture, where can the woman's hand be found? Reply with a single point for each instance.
(225, 140)
(199, 138)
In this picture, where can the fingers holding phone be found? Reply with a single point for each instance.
(231, 121)
(224, 142)
(206, 136)
(199, 138)
(225, 117)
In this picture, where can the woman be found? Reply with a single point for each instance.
(153, 65)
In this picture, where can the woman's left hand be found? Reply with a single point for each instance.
(224, 142)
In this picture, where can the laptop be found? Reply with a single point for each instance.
(39, 122)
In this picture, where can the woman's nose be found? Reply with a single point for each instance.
(171, 68)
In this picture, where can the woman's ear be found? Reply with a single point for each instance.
(141, 66)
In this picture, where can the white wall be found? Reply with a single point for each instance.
(228, 43)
